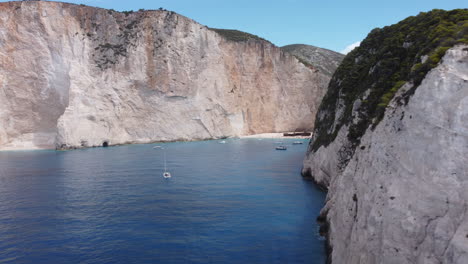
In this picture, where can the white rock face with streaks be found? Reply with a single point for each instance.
(76, 76)
(403, 197)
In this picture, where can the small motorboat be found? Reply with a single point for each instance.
(157, 147)
(222, 142)
(297, 143)
(166, 174)
(281, 148)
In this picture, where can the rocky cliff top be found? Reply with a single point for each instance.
(371, 75)
(236, 35)
(323, 59)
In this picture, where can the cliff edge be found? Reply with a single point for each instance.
(391, 145)
(76, 76)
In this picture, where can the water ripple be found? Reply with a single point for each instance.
(239, 202)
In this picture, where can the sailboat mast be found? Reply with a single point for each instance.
(164, 160)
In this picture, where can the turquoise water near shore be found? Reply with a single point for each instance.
(239, 202)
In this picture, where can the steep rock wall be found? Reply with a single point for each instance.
(402, 196)
(390, 145)
(77, 76)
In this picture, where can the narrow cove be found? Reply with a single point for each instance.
(239, 202)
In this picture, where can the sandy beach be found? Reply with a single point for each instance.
(273, 135)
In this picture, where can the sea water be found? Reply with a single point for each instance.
(238, 202)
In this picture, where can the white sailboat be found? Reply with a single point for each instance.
(166, 174)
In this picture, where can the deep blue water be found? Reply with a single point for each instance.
(239, 202)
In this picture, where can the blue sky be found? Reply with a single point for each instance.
(325, 23)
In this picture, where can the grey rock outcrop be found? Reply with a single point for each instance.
(326, 61)
(403, 195)
(390, 145)
(77, 76)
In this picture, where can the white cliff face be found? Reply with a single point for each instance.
(403, 197)
(76, 76)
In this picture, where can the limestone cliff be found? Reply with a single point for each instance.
(78, 76)
(326, 61)
(391, 145)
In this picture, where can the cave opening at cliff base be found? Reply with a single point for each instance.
(105, 144)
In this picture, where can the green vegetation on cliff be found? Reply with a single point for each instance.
(386, 60)
(236, 35)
